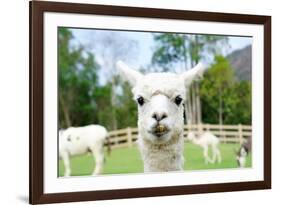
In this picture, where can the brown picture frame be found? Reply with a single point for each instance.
(37, 9)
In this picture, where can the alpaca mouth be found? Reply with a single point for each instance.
(160, 130)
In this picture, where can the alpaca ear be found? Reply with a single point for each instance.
(128, 74)
(193, 74)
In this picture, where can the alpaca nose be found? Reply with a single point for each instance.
(159, 116)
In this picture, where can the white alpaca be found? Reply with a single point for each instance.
(206, 140)
(160, 98)
(80, 140)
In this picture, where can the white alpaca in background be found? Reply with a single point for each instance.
(80, 140)
(160, 98)
(206, 140)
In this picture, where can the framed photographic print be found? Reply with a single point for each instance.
(135, 102)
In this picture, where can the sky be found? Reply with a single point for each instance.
(143, 43)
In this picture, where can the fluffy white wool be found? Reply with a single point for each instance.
(159, 91)
(162, 157)
(79, 140)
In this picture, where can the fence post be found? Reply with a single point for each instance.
(240, 133)
(115, 139)
(221, 134)
(129, 137)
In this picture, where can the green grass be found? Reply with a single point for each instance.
(128, 160)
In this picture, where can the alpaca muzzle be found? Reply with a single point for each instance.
(160, 130)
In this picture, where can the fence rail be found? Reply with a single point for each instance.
(226, 133)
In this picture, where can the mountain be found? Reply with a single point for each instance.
(241, 61)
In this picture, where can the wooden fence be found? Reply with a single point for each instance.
(227, 133)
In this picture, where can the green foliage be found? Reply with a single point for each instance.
(184, 48)
(103, 106)
(171, 48)
(77, 82)
(219, 82)
(82, 100)
(239, 110)
(127, 111)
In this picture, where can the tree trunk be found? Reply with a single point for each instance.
(189, 120)
(188, 106)
(113, 104)
(220, 108)
(186, 112)
(198, 103)
(194, 117)
(65, 111)
(196, 84)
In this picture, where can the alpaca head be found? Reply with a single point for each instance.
(160, 98)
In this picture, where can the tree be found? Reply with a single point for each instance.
(113, 47)
(224, 98)
(238, 104)
(127, 111)
(170, 50)
(220, 79)
(77, 71)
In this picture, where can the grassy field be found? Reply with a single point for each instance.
(128, 160)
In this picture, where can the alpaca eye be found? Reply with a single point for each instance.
(140, 100)
(178, 100)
